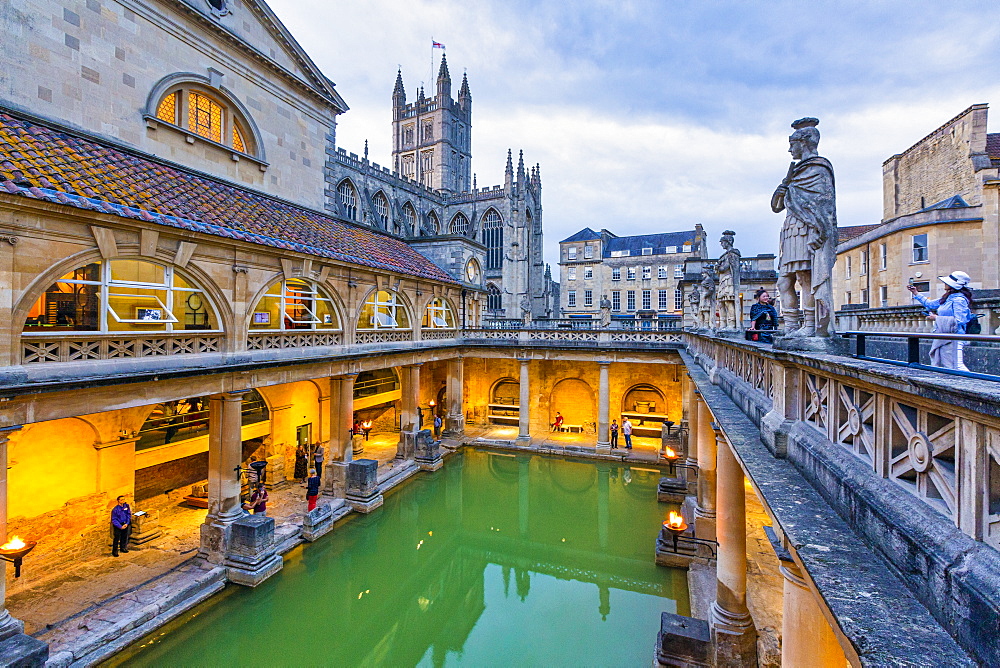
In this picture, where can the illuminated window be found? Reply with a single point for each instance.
(439, 315)
(381, 205)
(294, 304)
(459, 224)
(204, 116)
(383, 310)
(207, 115)
(121, 296)
(348, 199)
(493, 239)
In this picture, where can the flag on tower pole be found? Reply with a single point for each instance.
(436, 45)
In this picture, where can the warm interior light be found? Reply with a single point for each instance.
(15, 543)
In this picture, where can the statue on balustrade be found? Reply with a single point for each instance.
(694, 298)
(526, 311)
(706, 311)
(605, 311)
(728, 269)
(808, 236)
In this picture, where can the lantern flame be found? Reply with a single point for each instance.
(675, 521)
(669, 453)
(15, 543)
(366, 424)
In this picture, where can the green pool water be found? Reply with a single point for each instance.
(496, 559)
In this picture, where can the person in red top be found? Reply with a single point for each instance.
(557, 425)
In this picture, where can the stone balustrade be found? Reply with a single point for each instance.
(911, 318)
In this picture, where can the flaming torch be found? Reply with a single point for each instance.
(670, 455)
(14, 551)
(676, 525)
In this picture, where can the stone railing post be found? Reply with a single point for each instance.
(784, 408)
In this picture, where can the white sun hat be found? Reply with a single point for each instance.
(956, 279)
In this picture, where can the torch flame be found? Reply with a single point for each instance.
(15, 543)
(676, 520)
(366, 424)
(669, 453)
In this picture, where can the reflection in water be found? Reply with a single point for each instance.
(427, 578)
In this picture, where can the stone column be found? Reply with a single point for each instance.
(16, 649)
(409, 420)
(455, 424)
(733, 632)
(603, 409)
(524, 405)
(806, 636)
(691, 398)
(704, 515)
(341, 419)
(225, 452)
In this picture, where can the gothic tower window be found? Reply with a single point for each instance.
(433, 223)
(410, 218)
(408, 166)
(494, 298)
(459, 224)
(348, 199)
(381, 205)
(426, 165)
(493, 239)
(206, 114)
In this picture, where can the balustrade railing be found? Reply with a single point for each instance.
(37, 349)
(274, 340)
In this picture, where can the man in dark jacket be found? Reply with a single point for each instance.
(121, 520)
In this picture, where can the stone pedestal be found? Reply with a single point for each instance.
(407, 447)
(363, 493)
(683, 641)
(145, 527)
(427, 453)
(672, 490)
(251, 557)
(357, 445)
(23, 651)
(275, 472)
(317, 522)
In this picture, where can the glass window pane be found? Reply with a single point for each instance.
(193, 311)
(90, 272)
(167, 109)
(204, 116)
(66, 307)
(148, 307)
(136, 271)
(266, 315)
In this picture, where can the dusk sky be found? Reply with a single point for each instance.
(650, 116)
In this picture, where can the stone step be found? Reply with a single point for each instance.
(96, 634)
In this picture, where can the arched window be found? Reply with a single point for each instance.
(122, 296)
(383, 310)
(381, 205)
(494, 299)
(433, 223)
(459, 224)
(493, 239)
(294, 304)
(348, 199)
(410, 219)
(206, 113)
(439, 315)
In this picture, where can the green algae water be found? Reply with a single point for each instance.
(496, 559)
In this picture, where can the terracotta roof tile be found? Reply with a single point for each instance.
(47, 164)
(848, 233)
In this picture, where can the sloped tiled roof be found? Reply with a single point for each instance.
(44, 163)
(586, 234)
(953, 202)
(993, 145)
(850, 232)
(658, 242)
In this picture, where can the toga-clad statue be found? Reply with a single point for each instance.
(808, 237)
(728, 270)
(706, 310)
(525, 311)
(605, 311)
(694, 298)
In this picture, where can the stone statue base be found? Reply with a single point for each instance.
(826, 345)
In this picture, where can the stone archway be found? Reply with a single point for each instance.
(644, 398)
(574, 398)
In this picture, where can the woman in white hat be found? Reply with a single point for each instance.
(952, 313)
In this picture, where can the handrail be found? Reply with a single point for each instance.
(913, 350)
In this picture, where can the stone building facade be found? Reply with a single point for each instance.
(635, 273)
(940, 215)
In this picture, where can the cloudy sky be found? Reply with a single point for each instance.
(654, 115)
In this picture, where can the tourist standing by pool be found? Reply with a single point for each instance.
(312, 488)
(121, 520)
(614, 434)
(318, 460)
(627, 433)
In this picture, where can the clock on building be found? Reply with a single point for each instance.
(472, 272)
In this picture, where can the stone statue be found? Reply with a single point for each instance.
(809, 235)
(525, 311)
(728, 269)
(694, 298)
(605, 311)
(706, 311)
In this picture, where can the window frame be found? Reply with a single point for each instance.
(235, 122)
(616, 300)
(392, 308)
(631, 273)
(588, 298)
(492, 230)
(439, 306)
(661, 300)
(678, 299)
(346, 186)
(630, 300)
(286, 298)
(926, 248)
(616, 273)
(883, 257)
(571, 299)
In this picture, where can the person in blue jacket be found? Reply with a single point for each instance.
(950, 313)
(121, 521)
